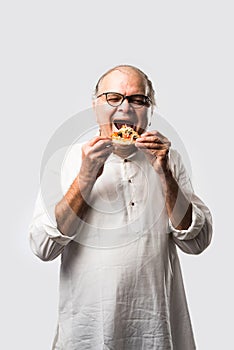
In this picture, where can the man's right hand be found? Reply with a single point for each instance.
(94, 154)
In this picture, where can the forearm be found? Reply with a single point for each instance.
(73, 206)
(179, 208)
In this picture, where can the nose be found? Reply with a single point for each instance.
(125, 106)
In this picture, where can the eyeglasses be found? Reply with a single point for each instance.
(115, 99)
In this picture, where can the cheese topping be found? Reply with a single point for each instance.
(125, 135)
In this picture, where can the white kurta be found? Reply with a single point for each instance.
(120, 284)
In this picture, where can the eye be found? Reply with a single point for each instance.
(138, 100)
(114, 98)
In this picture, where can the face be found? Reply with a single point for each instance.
(126, 82)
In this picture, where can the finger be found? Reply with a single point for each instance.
(102, 144)
(100, 155)
(155, 133)
(96, 143)
(155, 153)
(102, 148)
(152, 145)
(93, 141)
(103, 154)
(148, 139)
(148, 133)
(151, 133)
(153, 138)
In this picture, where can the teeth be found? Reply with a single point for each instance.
(120, 123)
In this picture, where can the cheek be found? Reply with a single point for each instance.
(144, 118)
(103, 114)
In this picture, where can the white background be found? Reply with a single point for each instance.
(52, 53)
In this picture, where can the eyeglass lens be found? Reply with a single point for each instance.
(137, 101)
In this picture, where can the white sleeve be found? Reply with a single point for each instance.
(198, 236)
(46, 241)
(198, 219)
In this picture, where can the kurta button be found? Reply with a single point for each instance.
(130, 181)
(132, 203)
(125, 160)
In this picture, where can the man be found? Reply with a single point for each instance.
(124, 211)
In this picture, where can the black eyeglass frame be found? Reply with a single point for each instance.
(147, 99)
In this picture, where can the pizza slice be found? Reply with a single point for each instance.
(125, 135)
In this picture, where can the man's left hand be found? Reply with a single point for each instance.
(156, 147)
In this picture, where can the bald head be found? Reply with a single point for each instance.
(131, 71)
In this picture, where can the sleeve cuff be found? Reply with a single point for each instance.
(57, 236)
(51, 230)
(198, 220)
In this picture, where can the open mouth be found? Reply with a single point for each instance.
(119, 123)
